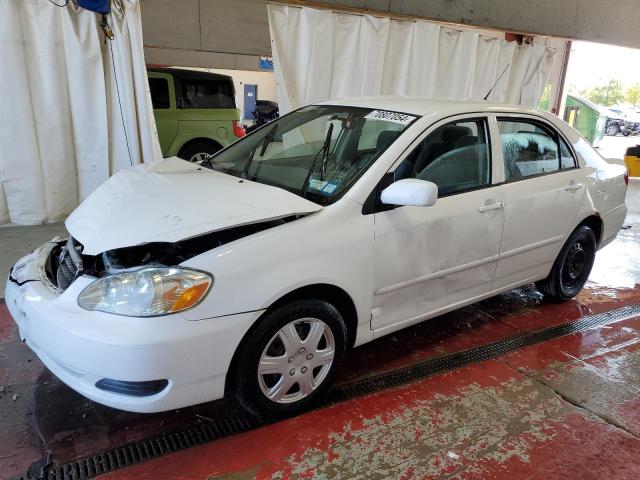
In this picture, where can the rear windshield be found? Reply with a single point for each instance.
(207, 93)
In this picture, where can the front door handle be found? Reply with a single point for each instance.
(491, 206)
(573, 186)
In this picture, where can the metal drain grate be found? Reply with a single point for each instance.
(140, 451)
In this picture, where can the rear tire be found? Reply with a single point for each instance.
(288, 361)
(197, 152)
(572, 267)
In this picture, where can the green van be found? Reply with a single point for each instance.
(195, 112)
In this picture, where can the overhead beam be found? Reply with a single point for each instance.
(233, 33)
(605, 21)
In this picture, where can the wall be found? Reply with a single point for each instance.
(229, 34)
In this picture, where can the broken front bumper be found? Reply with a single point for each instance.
(82, 347)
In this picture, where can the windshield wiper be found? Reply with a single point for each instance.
(265, 143)
(325, 155)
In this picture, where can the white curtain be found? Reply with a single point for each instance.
(321, 54)
(62, 131)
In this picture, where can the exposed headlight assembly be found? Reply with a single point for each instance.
(147, 292)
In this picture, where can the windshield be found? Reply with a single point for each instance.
(316, 152)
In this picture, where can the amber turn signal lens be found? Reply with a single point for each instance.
(190, 297)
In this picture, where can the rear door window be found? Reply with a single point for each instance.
(529, 149)
(568, 160)
(206, 93)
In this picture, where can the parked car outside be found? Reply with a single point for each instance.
(195, 112)
(333, 225)
(618, 122)
(631, 117)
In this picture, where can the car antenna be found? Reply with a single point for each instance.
(494, 85)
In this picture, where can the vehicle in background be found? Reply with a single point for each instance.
(620, 122)
(631, 117)
(266, 111)
(195, 112)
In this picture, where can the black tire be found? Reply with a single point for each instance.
(194, 150)
(626, 133)
(572, 267)
(243, 379)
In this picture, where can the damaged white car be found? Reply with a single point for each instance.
(252, 274)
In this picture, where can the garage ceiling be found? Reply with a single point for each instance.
(232, 33)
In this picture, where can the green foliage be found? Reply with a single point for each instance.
(608, 94)
(633, 95)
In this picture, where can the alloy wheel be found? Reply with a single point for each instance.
(574, 264)
(296, 360)
(198, 158)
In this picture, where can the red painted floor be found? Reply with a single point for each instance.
(561, 409)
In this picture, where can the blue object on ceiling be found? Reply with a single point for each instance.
(100, 6)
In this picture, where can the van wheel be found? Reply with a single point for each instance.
(288, 361)
(572, 267)
(198, 152)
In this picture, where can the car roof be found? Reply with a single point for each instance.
(424, 106)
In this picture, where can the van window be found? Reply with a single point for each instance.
(204, 93)
(159, 88)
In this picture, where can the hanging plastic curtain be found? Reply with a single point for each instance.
(79, 106)
(321, 54)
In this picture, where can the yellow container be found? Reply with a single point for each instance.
(632, 161)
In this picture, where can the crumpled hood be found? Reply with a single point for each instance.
(170, 200)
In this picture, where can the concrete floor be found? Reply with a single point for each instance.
(566, 408)
(616, 147)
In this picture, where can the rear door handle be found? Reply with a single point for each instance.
(491, 206)
(572, 187)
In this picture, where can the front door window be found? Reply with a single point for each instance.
(455, 157)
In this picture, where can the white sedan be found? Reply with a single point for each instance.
(252, 275)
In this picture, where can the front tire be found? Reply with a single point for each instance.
(572, 267)
(287, 363)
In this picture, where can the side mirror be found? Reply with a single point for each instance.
(410, 192)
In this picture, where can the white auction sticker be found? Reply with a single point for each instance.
(395, 117)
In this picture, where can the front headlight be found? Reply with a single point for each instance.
(147, 292)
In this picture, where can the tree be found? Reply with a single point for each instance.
(633, 95)
(608, 94)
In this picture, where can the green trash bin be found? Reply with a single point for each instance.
(586, 117)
